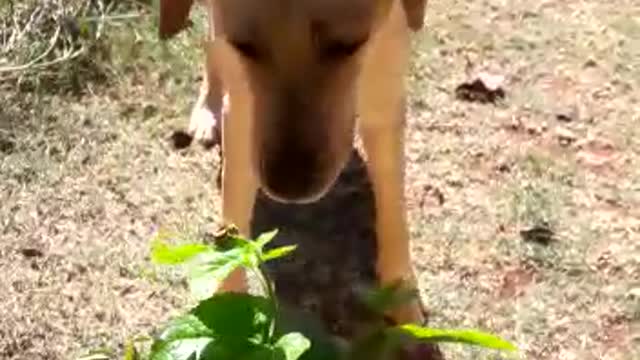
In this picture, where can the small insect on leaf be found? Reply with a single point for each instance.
(228, 238)
(226, 231)
(278, 252)
(470, 337)
(293, 345)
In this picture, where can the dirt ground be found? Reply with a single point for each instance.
(524, 211)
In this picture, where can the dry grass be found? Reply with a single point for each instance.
(85, 179)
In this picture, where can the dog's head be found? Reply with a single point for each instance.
(301, 59)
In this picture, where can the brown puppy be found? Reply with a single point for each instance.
(297, 72)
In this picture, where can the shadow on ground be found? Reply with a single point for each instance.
(334, 263)
(336, 248)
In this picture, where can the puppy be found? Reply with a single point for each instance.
(297, 74)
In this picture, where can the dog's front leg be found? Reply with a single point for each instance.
(385, 151)
(239, 184)
(381, 126)
(206, 115)
(205, 120)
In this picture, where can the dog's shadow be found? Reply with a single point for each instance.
(336, 249)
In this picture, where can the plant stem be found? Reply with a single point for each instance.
(268, 288)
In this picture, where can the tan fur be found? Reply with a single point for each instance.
(295, 86)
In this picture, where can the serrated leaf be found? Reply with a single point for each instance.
(265, 238)
(187, 349)
(209, 269)
(470, 337)
(184, 338)
(236, 316)
(184, 327)
(278, 252)
(165, 254)
(293, 345)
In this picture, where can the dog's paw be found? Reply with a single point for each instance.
(412, 312)
(410, 308)
(205, 126)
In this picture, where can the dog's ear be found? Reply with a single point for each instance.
(414, 10)
(174, 17)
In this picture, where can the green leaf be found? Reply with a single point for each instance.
(471, 337)
(293, 345)
(236, 317)
(184, 338)
(265, 238)
(209, 269)
(226, 326)
(278, 252)
(325, 345)
(166, 254)
(186, 349)
(184, 327)
(242, 350)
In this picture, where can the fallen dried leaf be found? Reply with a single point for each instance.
(541, 234)
(486, 88)
(181, 140)
(31, 252)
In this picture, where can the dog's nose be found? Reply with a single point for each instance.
(293, 175)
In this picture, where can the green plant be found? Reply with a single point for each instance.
(245, 326)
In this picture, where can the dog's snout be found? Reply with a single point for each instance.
(293, 173)
(302, 137)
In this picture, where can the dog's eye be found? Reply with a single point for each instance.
(246, 49)
(340, 49)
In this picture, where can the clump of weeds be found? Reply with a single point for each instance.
(230, 325)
